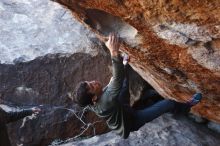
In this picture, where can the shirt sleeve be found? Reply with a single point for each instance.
(17, 115)
(116, 81)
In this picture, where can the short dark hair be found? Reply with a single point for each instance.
(82, 96)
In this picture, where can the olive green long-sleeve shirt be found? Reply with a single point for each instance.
(108, 105)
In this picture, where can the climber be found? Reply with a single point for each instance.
(10, 114)
(108, 102)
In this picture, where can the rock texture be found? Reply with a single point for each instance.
(45, 52)
(173, 44)
(39, 65)
(49, 81)
(164, 131)
(38, 27)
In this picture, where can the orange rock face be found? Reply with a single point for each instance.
(173, 44)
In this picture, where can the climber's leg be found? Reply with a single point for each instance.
(150, 113)
(149, 93)
(185, 107)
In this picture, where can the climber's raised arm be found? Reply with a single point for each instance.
(115, 83)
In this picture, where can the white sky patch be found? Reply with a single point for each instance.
(38, 27)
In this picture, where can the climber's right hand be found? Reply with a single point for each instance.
(113, 44)
(36, 110)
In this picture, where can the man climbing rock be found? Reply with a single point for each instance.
(108, 102)
(10, 114)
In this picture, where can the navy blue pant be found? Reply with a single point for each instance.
(148, 114)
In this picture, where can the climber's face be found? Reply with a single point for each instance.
(95, 87)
